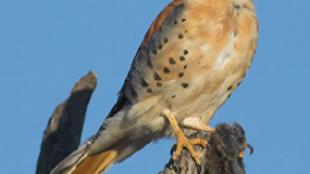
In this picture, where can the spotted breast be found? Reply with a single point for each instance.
(194, 56)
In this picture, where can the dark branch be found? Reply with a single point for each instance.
(222, 155)
(63, 133)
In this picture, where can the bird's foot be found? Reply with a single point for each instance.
(182, 140)
(189, 144)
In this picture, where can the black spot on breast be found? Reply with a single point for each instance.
(185, 52)
(166, 70)
(156, 76)
(229, 88)
(149, 90)
(181, 74)
(166, 40)
(149, 63)
(175, 22)
(185, 67)
(160, 46)
(173, 96)
(158, 84)
(180, 36)
(183, 20)
(144, 83)
(182, 58)
(185, 85)
(172, 61)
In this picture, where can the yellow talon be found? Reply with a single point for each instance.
(199, 141)
(182, 141)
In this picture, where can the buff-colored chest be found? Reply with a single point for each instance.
(196, 59)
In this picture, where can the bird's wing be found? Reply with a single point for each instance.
(144, 74)
(139, 84)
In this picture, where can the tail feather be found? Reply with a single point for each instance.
(96, 164)
(80, 162)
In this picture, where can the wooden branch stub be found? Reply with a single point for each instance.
(63, 133)
(222, 155)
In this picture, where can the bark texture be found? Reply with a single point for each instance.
(222, 154)
(63, 133)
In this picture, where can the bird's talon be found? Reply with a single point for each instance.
(182, 141)
(247, 146)
(199, 141)
(250, 148)
(189, 144)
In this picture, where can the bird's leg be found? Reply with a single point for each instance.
(194, 123)
(182, 140)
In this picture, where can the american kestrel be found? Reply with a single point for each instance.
(193, 57)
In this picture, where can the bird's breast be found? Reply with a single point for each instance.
(196, 56)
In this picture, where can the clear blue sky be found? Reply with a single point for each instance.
(47, 45)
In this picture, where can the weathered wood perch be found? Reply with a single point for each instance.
(63, 133)
(64, 129)
(222, 155)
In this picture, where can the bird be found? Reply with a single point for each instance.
(192, 58)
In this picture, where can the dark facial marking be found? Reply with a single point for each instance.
(173, 96)
(160, 46)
